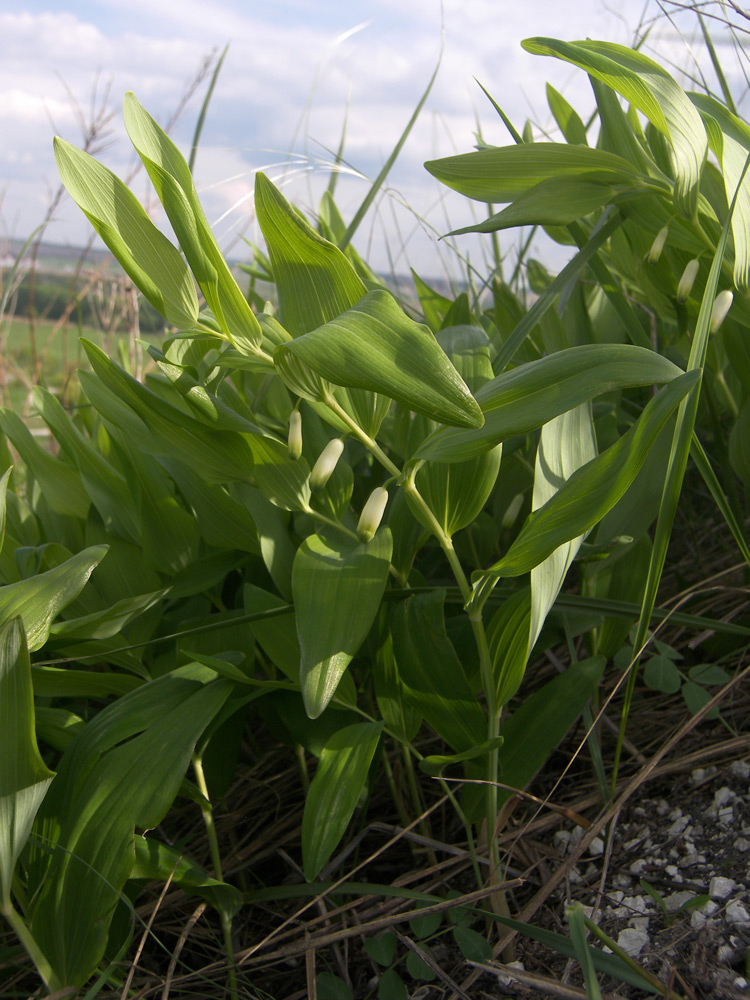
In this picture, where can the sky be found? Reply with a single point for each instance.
(294, 71)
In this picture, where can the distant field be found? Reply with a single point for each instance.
(58, 352)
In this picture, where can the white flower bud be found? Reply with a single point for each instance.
(323, 468)
(372, 514)
(294, 442)
(657, 246)
(685, 286)
(722, 304)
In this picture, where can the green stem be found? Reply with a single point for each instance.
(26, 938)
(213, 844)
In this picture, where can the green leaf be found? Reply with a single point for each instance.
(424, 927)
(24, 777)
(60, 483)
(653, 91)
(40, 599)
(330, 987)
(508, 641)
(335, 790)
(524, 398)
(375, 346)
(583, 952)
(708, 673)
(146, 255)
(435, 764)
(660, 674)
(432, 674)
(314, 280)
(535, 728)
(3, 493)
(392, 987)
(567, 118)
(731, 144)
(696, 697)
(123, 771)
(381, 949)
(593, 489)
(474, 946)
(157, 861)
(503, 173)
(565, 444)
(174, 185)
(337, 588)
(162, 429)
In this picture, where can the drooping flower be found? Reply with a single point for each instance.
(326, 463)
(372, 514)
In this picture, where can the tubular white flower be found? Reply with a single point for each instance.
(294, 442)
(323, 468)
(722, 305)
(657, 246)
(372, 514)
(685, 286)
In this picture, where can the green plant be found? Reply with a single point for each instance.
(313, 507)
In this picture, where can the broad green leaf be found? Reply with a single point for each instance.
(524, 398)
(533, 731)
(314, 280)
(335, 791)
(435, 306)
(660, 674)
(556, 201)
(40, 599)
(399, 715)
(731, 144)
(281, 479)
(331, 987)
(595, 488)
(123, 771)
(567, 118)
(107, 487)
(110, 621)
(565, 444)
(508, 641)
(695, 697)
(157, 861)
(146, 255)
(708, 673)
(375, 346)
(222, 521)
(60, 483)
(456, 493)
(474, 946)
(24, 777)
(174, 185)
(3, 503)
(432, 675)
(435, 764)
(61, 682)
(654, 92)
(503, 173)
(337, 587)
(217, 456)
(274, 537)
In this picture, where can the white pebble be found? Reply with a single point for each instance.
(678, 826)
(720, 887)
(674, 901)
(637, 866)
(723, 797)
(740, 983)
(740, 769)
(632, 941)
(737, 913)
(597, 847)
(671, 870)
(742, 844)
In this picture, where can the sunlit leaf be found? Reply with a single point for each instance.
(147, 256)
(375, 346)
(335, 790)
(337, 587)
(24, 777)
(653, 91)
